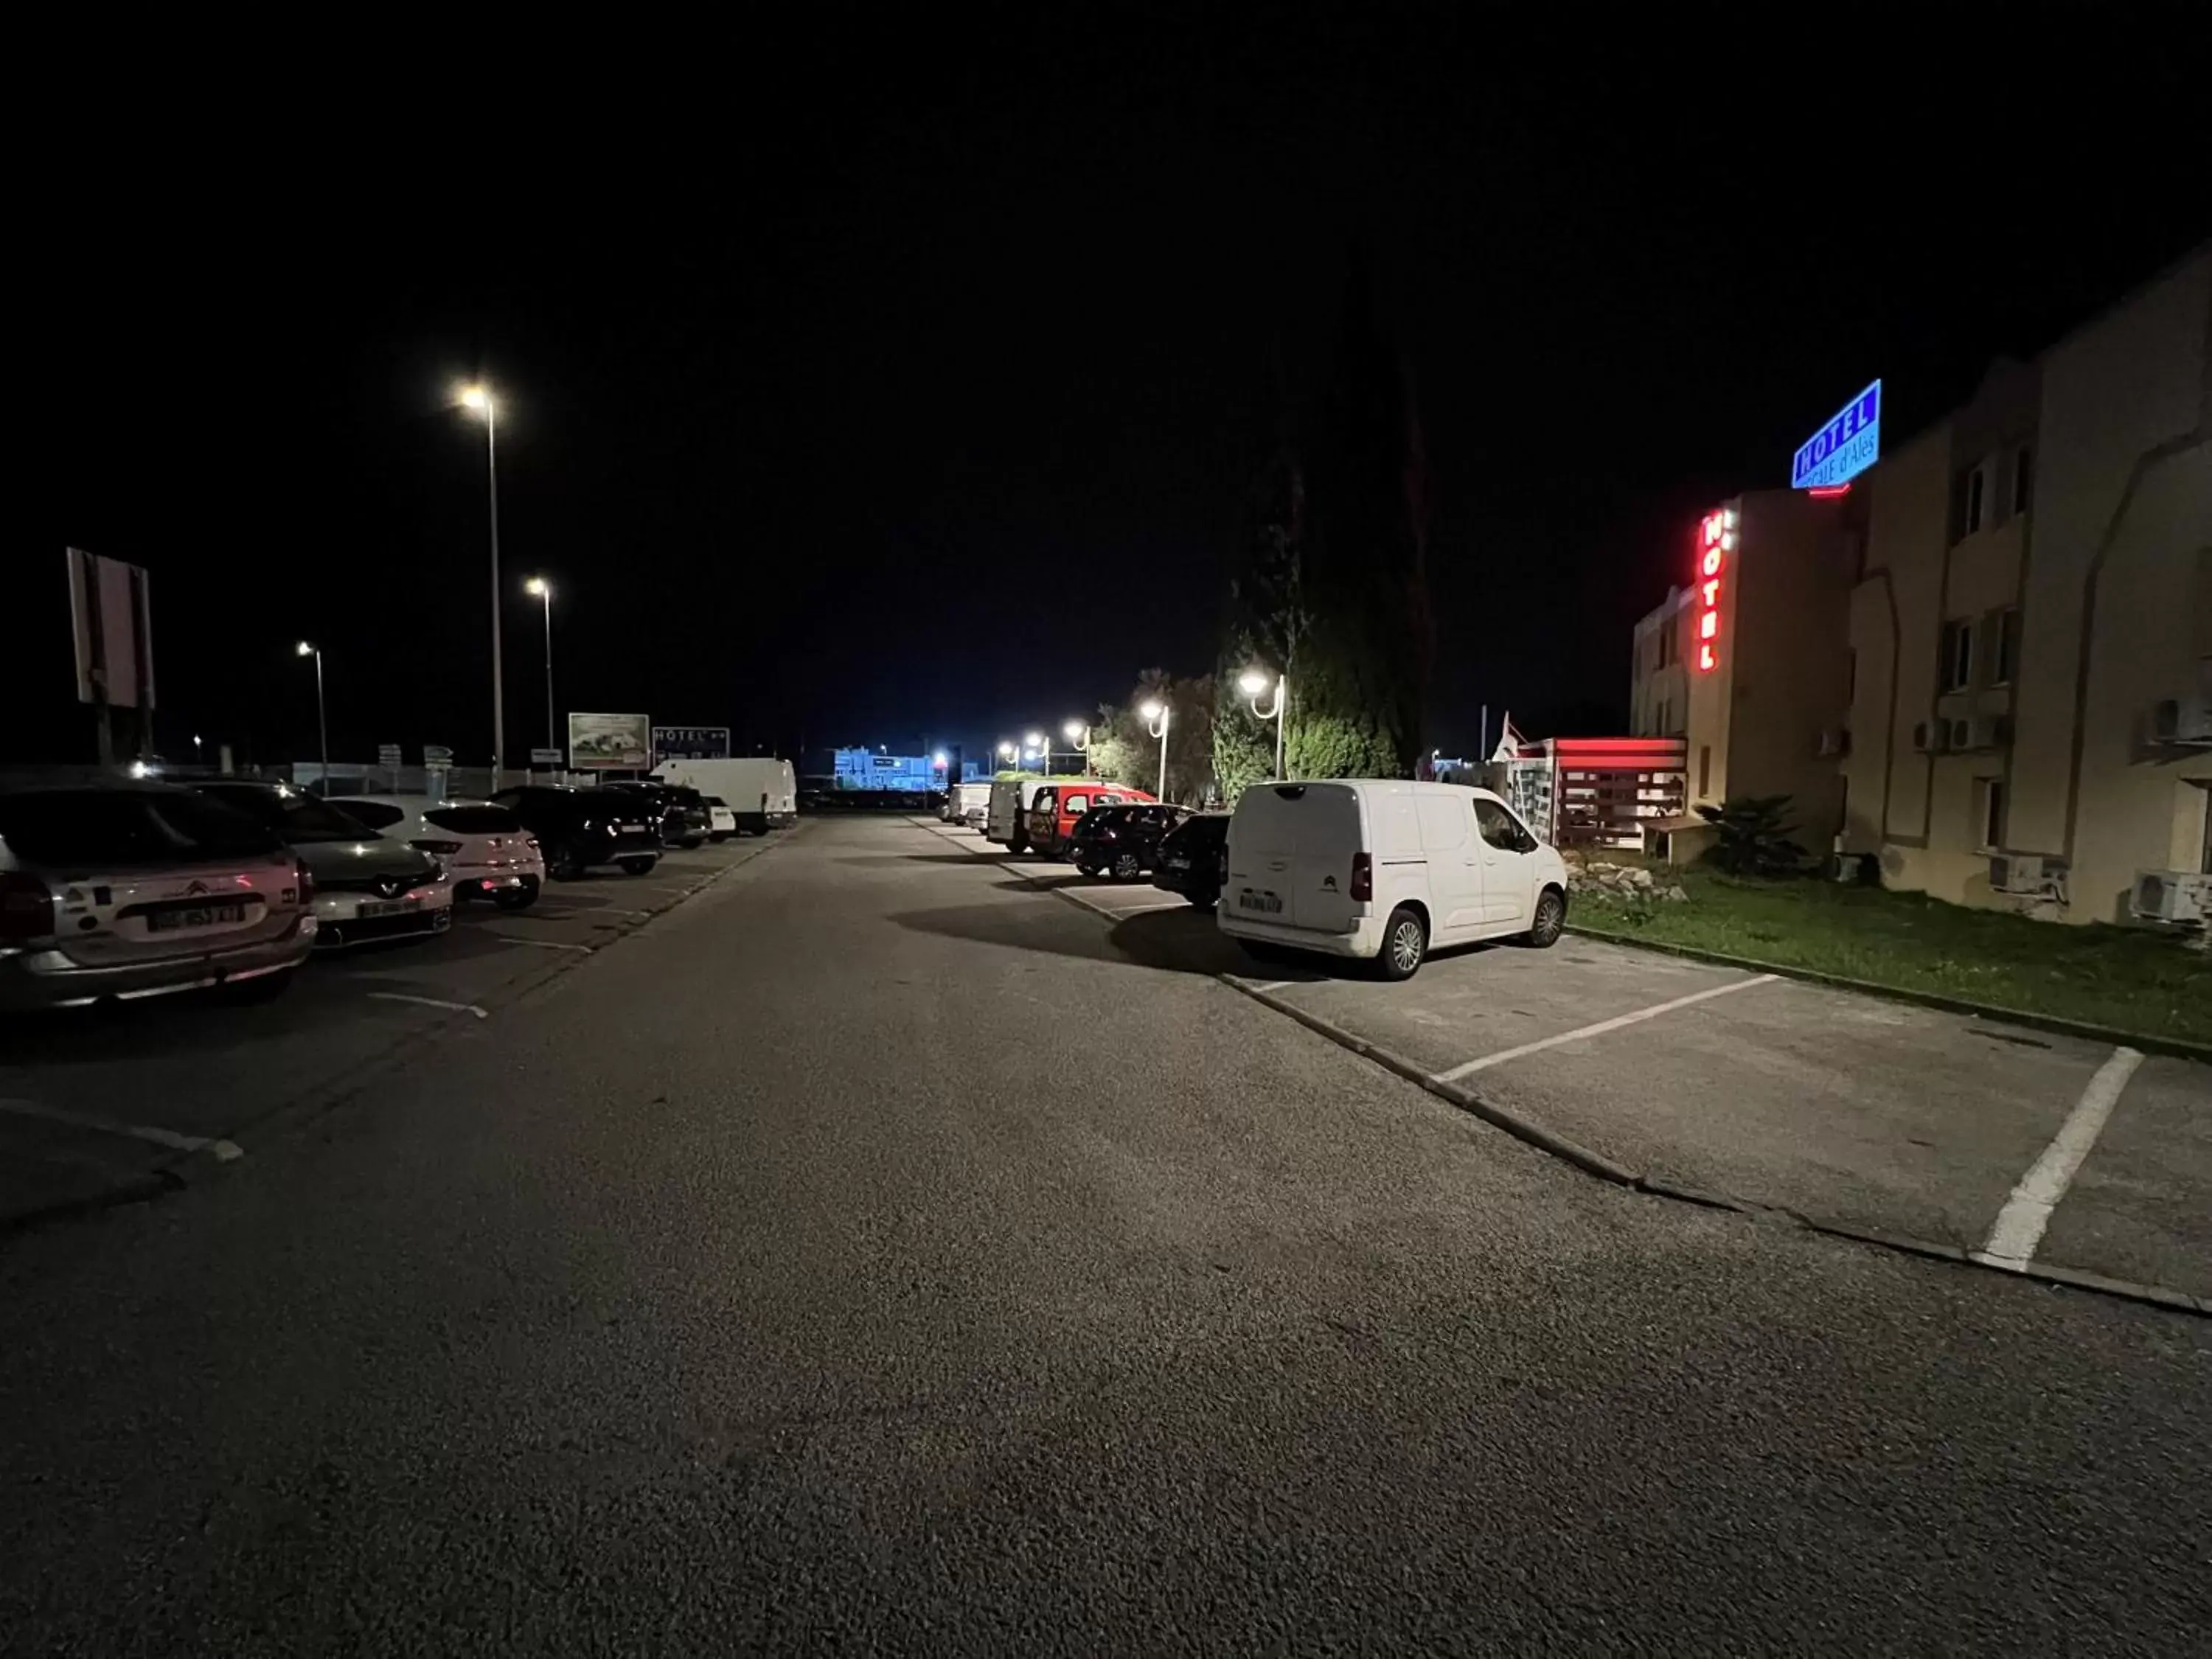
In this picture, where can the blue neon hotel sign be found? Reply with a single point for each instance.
(1844, 449)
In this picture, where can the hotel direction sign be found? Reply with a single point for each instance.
(1844, 449)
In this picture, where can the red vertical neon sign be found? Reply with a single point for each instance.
(1715, 547)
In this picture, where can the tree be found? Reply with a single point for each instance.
(1752, 838)
(1124, 749)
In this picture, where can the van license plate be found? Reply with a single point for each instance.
(1265, 902)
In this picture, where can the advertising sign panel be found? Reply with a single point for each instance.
(1844, 449)
(690, 742)
(611, 742)
(112, 616)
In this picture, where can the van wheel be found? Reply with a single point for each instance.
(1017, 842)
(1551, 919)
(1404, 943)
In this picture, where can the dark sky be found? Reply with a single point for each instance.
(863, 389)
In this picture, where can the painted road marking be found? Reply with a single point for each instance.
(544, 943)
(224, 1151)
(2020, 1225)
(429, 1002)
(1601, 1027)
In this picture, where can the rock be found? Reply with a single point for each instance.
(1641, 878)
(1678, 894)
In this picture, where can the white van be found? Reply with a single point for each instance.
(1385, 870)
(1007, 822)
(761, 791)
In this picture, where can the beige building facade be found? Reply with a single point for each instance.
(2031, 705)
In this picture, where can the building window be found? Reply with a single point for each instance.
(1975, 482)
(2023, 479)
(1988, 814)
(1956, 670)
(2004, 640)
(1704, 768)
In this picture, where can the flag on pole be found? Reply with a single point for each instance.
(1510, 740)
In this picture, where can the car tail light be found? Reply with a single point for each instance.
(26, 908)
(442, 848)
(1362, 877)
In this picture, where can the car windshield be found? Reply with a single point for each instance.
(116, 828)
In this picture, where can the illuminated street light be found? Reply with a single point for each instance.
(1035, 740)
(1156, 715)
(1006, 750)
(1252, 682)
(538, 588)
(478, 400)
(940, 760)
(322, 722)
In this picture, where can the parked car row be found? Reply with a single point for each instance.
(113, 889)
(1383, 870)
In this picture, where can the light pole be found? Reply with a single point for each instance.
(1252, 683)
(1078, 738)
(322, 721)
(540, 588)
(1037, 741)
(478, 400)
(1156, 715)
(1007, 752)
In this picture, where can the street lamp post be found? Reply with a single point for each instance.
(540, 588)
(1252, 683)
(1156, 713)
(322, 721)
(1037, 741)
(1008, 752)
(479, 400)
(1078, 738)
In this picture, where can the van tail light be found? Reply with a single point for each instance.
(26, 908)
(1362, 877)
(441, 848)
(306, 877)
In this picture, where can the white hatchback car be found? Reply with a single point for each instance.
(1386, 870)
(721, 822)
(485, 849)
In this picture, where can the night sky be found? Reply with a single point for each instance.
(870, 390)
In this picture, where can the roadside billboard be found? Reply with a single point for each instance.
(111, 616)
(610, 743)
(690, 742)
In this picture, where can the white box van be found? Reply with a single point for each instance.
(1385, 870)
(759, 789)
(1007, 823)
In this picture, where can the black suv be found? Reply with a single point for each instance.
(1122, 842)
(1194, 859)
(580, 829)
(680, 812)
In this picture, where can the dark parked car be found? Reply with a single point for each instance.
(366, 886)
(1194, 859)
(581, 829)
(680, 812)
(1121, 842)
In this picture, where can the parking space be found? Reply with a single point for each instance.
(1855, 1111)
(96, 1101)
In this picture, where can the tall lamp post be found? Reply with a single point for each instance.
(478, 400)
(1252, 683)
(538, 587)
(1037, 741)
(322, 722)
(1078, 738)
(1156, 715)
(1008, 753)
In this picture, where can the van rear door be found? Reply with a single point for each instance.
(1290, 847)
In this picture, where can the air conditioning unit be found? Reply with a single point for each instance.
(2182, 721)
(1931, 737)
(2180, 897)
(1983, 732)
(2016, 872)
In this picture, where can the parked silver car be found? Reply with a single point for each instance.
(366, 887)
(123, 891)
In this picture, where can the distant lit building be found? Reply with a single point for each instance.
(1748, 662)
(876, 768)
(2032, 718)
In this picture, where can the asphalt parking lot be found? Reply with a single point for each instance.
(2012, 1145)
(101, 1104)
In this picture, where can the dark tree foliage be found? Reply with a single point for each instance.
(1753, 840)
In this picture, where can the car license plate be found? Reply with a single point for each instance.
(202, 915)
(387, 907)
(631, 828)
(1266, 902)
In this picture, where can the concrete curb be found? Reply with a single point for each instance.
(2179, 1047)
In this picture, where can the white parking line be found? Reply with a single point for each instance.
(429, 1002)
(2020, 1225)
(224, 1151)
(1601, 1027)
(544, 943)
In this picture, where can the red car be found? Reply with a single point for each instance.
(1052, 815)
